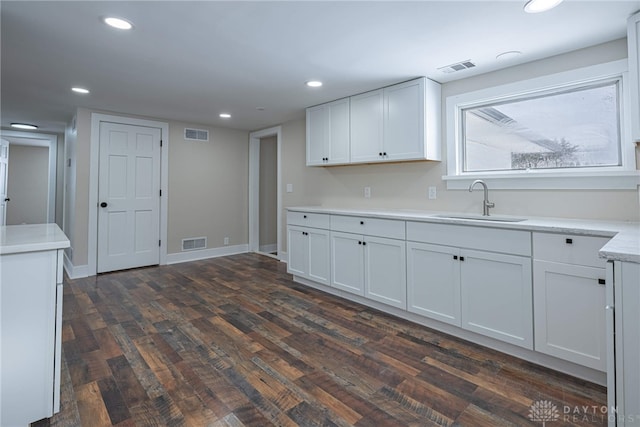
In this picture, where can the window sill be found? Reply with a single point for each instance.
(619, 180)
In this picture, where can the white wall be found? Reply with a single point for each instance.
(404, 185)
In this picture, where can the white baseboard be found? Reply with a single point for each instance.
(283, 256)
(206, 253)
(273, 247)
(75, 272)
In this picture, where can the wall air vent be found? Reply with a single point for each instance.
(458, 66)
(196, 134)
(194, 243)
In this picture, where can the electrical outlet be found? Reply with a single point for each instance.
(367, 192)
(289, 188)
(226, 240)
(432, 193)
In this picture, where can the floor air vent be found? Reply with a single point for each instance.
(458, 66)
(194, 243)
(196, 134)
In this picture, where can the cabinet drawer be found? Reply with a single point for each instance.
(393, 229)
(513, 242)
(306, 219)
(569, 249)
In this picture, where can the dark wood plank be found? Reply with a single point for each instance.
(233, 342)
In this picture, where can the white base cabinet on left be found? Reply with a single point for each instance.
(31, 313)
(308, 246)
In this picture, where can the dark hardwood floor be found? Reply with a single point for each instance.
(234, 342)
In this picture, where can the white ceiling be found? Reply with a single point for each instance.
(190, 61)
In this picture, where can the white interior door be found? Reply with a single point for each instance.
(4, 170)
(128, 197)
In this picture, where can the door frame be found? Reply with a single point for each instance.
(50, 141)
(254, 188)
(94, 161)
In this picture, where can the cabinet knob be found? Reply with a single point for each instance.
(461, 258)
(361, 222)
(380, 154)
(602, 282)
(568, 241)
(455, 257)
(384, 154)
(608, 307)
(359, 242)
(304, 216)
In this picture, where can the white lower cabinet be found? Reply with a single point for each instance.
(496, 298)
(373, 267)
(569, 298)
(433, 281)
(309, 253)
(569, 303)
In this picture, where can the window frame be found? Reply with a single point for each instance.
(624, 176)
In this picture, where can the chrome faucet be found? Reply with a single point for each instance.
(486, 204)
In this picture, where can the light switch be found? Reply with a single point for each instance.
(432, 193)
(367, 192)
(289, 188)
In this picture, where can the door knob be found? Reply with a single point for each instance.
(103, 204)
(7, 199)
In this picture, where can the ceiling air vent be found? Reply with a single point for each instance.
(196, 134)
(194, 243)
(458, 66)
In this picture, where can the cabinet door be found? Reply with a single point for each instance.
(385, 271)
(569, 312)
(347, 262)
(404, 121)
(433, 281)
(633, 43)
(297, 244)
(339, 129)
(367, 127)
(496, 296)
(319, 255)
(317, 134)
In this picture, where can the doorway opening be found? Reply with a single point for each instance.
(31, 178)
(265, 202)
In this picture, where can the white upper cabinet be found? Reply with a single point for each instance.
(633, 42)
(328, 133)
(392, 124)
(367, 113)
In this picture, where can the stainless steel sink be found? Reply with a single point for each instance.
(482, 218)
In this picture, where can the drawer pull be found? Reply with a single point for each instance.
(568, 241)
(602, 282)
(455, 257)
(461, 258)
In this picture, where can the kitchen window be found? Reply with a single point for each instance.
(561, 131)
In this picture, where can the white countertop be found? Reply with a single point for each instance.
(31, 238)
(623, 246)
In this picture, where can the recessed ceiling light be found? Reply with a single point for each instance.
(24, 126)
(508, 55)
(314, 83)
(118, 23)
(80, 90)
(225, 115)
(535, 6)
